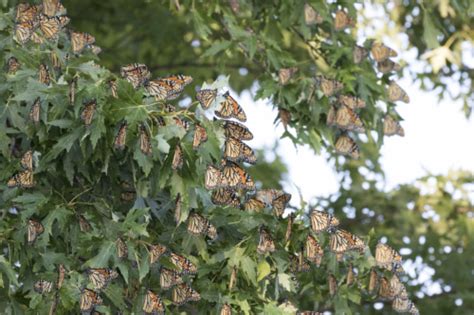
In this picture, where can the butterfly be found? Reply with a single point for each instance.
(285, 74)
(351, 101)
(397, 288)
(26, 12)
(35, 111)
(386, 257)
(37, 39)
(314, 251)
(169, 278)
(178, 82)
(156, 251)
(200, 136)
(88, 112)
(206, 97)
(332, 283)
(160, 89)
(279, 204)
(229, 108)
(350, 275)
(225, 197)
(184, 265)
(285, 117)
(120, 138)
(346, 145)
(153, 304)
(359, 53)
(22, 179)
(43, 286)
(100, 277)
(233, 278)
(95, 49)
(61, 276)
(289, 227)
(53, 7)
(237, 130)
(275, 198)
(347, 119)
(401, 305)
(80, 40)
(177, 209)
(328, 86)
(113, 88)
(72, 90)
(51, 26)
(89, 299)
(27, 160)
(387, 66)
(266, 243)
(178, 158)
(392, 127)
(311, 17)
(183, 293)
(168, 108)
(13, 65)
(213, 177)
(237, 151)
(342, 20)
(145, 142)
(253, 204)
(135, 73)
(122, 249)
(181, 123)
(233, 176)
(373, 281)
(396, 93)
(35, 229)
(226, 310)
(322, 221)
(198, 225)
(342, 241)
(298, 264)
(55, 61)
(44, 74)
(385, 291)
(380, 52)
(24, 31)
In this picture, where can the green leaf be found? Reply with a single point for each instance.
(216, 47)
(263, 270)
(430, 32)
(107, 250)
(249, 267)
(7, 270)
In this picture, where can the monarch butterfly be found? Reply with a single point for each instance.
(160, 89)
(183, 293)
(322, 221)
(347, 119)
(55, 61)
(23, 31)
(289, 227)
(397, 288)
(95, 49)
(88, 112)
(179, 81)
(213, 177)
(380, 52)
(198, 225)
(385, 291)
(342, 20)
(386, 257)
(84, 225)
(122, 249)
(181, 123)
(153, 304)
(328, 86)
(89, 299)
(22, 179)
(177, 209)
(332, 283)
(169, 278)
(285, 117)
(226, 309)
(53, 7)
(51, 26)
(100, 277)
(61, 276)
(72, 90)
(285, 74)
(35, 38)
(121, 137)
(135, 73)
(200, 136)
(237, 151)
(331, 116)
(35, 110)
(359, 53)
(402, 305)
(346, 145)
(266, 243)
(229, 108)
(168, 108)
(279, 204)
(392, 127)
(373, 281)
(267, 196)
(298, 264)
(351, 101)
(350, 275)
(206, 97)
(13, 65)
(113, 88)
(34, 229)
(387, 66)
(233, 176)
(43, 286)
(145, 142)
(44, 74)
(80, 40)
(342, 241)
(27, 160)
(253, 204)
(233, 278)
(311, 17)
(237, 130)
(314, 251)
(27, 12)
(225, 197)
(396, 93)
(128, 196)
(184, 265)
(155, 252)
(178, 158)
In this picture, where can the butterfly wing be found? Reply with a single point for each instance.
(88, 112)
(347, 146)
(178, 158)
(229, 108)
(169, 278)
(200, 136)
(237, 130)
(206, 97)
